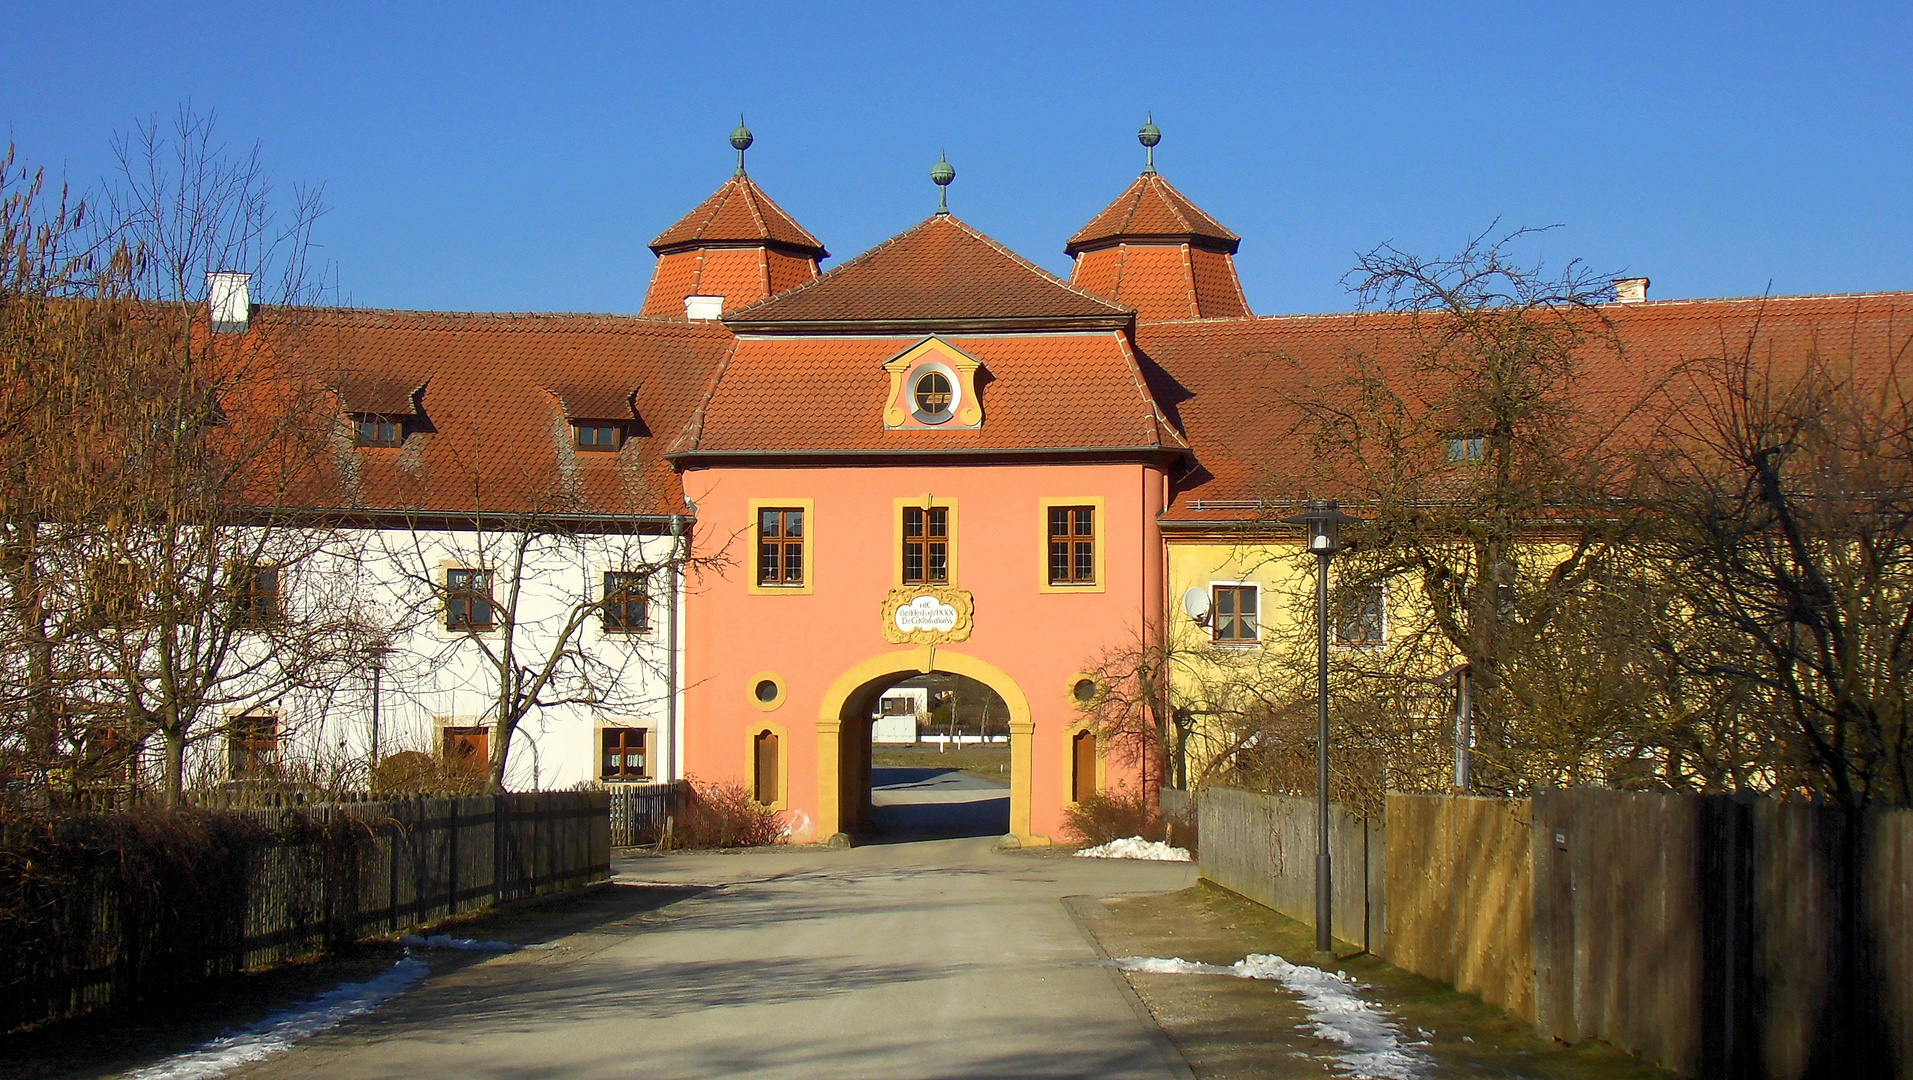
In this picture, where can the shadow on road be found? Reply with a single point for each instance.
(115, 1041)
(935, 804)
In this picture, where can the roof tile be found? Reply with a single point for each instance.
(822, 395)
(739, 213)
(1151, 208)
(939, 271)
(1231, 384)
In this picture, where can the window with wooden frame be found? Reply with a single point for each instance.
(103, 755)
(252, 746)
(1466, 449)
(1082, 766)
(1363, 617)
(1232, 614)
(467, 750)
(468, 600)
(597, 435)
(767, 787)
(625, 606)
(926, 546)
(255, 593)
(780, 546)
(1072, 545)
(377, 429)
(623, 758)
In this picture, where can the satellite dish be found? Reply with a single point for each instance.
(1195, 604)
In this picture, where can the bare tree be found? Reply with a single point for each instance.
(516, 601)
(161, 569)
(1489, 477)
(1785, 506)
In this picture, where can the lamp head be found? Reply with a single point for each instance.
(1321, 523)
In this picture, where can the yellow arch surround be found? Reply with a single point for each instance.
(923, 659)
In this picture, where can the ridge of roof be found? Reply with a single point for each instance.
(1645, 305)
(547, 321)
(1151, 208)
(693, 430)
(1166, 432)
(714, 222)
(881, 304)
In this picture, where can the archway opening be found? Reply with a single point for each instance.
(929, 758)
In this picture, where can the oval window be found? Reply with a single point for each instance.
(1085, 690)
(933, 397)
(766, 691)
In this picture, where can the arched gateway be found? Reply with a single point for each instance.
(843, 734)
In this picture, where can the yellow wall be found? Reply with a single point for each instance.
(1284, 574)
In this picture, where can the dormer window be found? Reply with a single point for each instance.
(595, 435)
(1466, 449)
(377, 429)
(933, 387)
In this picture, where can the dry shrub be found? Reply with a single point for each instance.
(413, 772)
(1113, 815)
(724, 816)
(1179, 830)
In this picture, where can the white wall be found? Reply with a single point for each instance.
(619, 679)
(900, 728)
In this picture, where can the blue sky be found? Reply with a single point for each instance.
(519, 158)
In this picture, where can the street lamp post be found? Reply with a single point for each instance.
(1321, 522)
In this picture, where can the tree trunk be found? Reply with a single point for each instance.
(173, 782)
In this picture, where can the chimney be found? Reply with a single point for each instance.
(229, 295)
(703, 307)
(1630, 290)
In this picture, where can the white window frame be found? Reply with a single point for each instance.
(1381, 642)
(1236, 643)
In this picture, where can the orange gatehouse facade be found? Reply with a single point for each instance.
(936, 457)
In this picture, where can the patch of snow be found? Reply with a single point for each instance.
(1135, 847)
(1374, 1048)
(464, 944)
(276, 1033)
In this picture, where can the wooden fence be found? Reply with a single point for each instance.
(640, 813)
(1264, 846)
(120, 911)
(1460, 895)
(1717, 936)
(1726, 936)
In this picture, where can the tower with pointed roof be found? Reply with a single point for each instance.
(737, 244)
(1155, 251)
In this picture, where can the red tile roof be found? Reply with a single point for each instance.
(739, 214)
(1152, 209)
(1231, 384)
(493, 429)
(940, 274)
(742, 276)
(1164, 281)
(1063, 392)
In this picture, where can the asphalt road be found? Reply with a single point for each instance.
(919, 804)
(930, 959)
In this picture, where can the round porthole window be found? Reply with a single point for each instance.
(766, 691)
(1084, 690)
(933, 394)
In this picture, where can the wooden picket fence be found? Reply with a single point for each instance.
(641, 813)
(117, 911)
